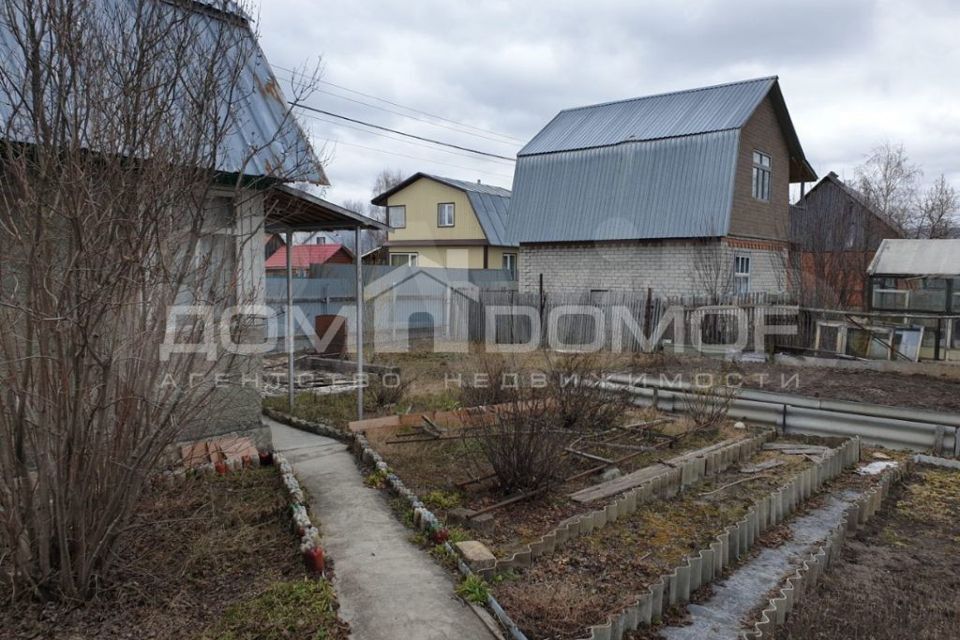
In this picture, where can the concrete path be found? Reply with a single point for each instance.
(387, 587)
(720, 618)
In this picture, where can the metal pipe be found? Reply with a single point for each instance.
(290, 345)
(358, 261)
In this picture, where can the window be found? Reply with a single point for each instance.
(741, 275)
(510, 263)
(397, 216)
(761, 176)
(445, 214)
(403, 259)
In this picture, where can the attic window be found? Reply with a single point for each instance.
(761, 176)
(445, 214)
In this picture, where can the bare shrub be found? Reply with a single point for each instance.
(582, 404)
(388, 391)
(116, 124)
(491, 383)
(708, 402)
(537, 416)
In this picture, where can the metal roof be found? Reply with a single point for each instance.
(264, 139)
(669, 188)
(291, 209)
(916, 258)
(655, 167)
(667, 115)
(490, 203)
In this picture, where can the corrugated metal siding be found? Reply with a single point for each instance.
(671, 188)
(260, 121)
(652, 117)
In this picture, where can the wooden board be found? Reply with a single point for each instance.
(638, 477)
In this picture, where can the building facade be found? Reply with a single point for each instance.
(685, 193)
(447, 223)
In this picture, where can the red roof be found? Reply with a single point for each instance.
(304, 255)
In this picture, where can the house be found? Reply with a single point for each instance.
(834, 234)
(684, 193)
(304, 257)
(921, 277)
(259, 148)
(442, 222)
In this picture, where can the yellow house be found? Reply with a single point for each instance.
(453, 224)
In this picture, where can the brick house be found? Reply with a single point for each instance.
(685, 193)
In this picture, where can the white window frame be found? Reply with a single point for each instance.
(411, 259)
(391, 216)
(762, 176)
(509, 263)
(741, 274)
(442, 210)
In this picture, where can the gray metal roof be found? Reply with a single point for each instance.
(667, 115)
(264, 139)
(490, 203)
(916, 258)
(655, 167)
(669, 188)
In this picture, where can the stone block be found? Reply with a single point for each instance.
(476, 555)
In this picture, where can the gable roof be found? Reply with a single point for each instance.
(303, 255)
(853, 194)
(655, 167)
(490, 203)
(264, 139)
(916, 258)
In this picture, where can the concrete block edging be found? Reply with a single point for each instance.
(423, 518)
(811, 568)
(674, 588)
(667, 484)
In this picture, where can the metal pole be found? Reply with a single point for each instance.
(290, 321)
(359, 290)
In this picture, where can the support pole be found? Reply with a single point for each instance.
(358, 261)
(290, 321)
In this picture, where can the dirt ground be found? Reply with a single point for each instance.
(562, 594)
(898, 577)
(891, 389)
(433, 471)
(213, 559)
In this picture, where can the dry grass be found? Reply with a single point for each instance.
(196, 552)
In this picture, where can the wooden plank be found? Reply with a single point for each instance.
(635, 479)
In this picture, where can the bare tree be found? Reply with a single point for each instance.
(889, 182)
(112, 210)
(387, 179)
(939, 209)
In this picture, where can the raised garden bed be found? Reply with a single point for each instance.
(211, 557)
(897, 577)
(440, 470)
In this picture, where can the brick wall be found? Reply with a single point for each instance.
(670, 268)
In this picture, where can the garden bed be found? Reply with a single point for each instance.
(599, 574)
(437, 470)
(897, 577)
(213, 557)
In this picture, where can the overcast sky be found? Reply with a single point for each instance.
(854, 73)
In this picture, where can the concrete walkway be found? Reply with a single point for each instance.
(387, 587)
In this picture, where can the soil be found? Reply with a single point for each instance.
(889, 389)
(197, 556)
(433, 471)
(898, 577)
(592, 576)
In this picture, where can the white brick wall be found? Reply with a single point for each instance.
(670, 268)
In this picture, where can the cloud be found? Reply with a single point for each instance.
(854, 73)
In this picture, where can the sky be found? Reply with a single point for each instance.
(489, 75)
